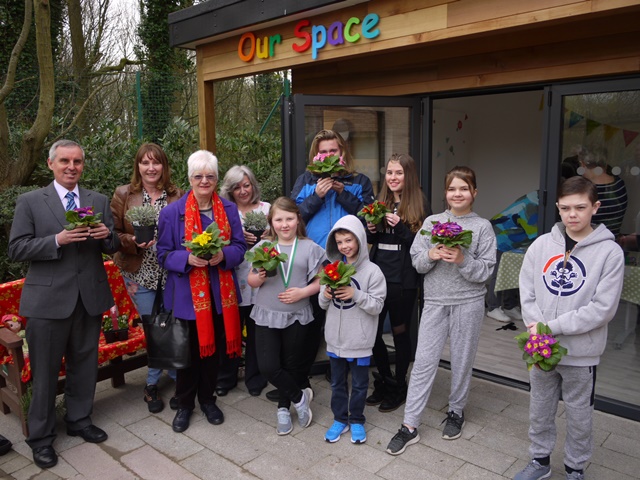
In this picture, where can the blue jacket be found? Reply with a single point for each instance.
(321, 214)
(174, 257)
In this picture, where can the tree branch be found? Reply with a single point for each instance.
(9, 83)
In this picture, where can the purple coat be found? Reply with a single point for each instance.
(174, 257)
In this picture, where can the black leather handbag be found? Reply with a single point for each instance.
(167, 337)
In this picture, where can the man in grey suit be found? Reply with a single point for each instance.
(65, 293)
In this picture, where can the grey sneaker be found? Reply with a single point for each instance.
(304, 409)
(402, 440)
(453, 428)
(534, 471)
(284, 422)
(575, 476)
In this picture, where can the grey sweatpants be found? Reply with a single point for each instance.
(577, 386)
(461, 323)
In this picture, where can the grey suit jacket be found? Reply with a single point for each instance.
(57, 276)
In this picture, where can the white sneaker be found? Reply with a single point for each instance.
(304, 408)
(284, 426)
(499, 315)
(514, 313)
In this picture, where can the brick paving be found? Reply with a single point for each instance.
(143, 446)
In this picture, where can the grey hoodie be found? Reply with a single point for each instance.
(576, 299)
(351, 326)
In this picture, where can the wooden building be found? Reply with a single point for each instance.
(508, 87)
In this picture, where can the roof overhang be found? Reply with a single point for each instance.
(218, 19)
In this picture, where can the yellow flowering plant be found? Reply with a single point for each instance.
(207, 243)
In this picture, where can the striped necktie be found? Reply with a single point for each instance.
(71, 202)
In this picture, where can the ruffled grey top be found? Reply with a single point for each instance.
(270, 312)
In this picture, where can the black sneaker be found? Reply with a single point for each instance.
(376, 397)
(393, 399)
(173, 403)
(154, 402)
(402, 440)
(453, 428)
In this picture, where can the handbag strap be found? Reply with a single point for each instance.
(157, 302)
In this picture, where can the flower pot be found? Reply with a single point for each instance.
(144, 234)
(257, 233)
(380, 226)
(206, 256)
(120, 335)
(272, 273)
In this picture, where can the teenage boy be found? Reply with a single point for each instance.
(571, 281)
(350, 330)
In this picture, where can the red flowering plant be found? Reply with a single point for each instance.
(336, 274)
(449, 234)
(265, 256)
(82, 217)
(374, 212)
(326, 164)
(541, 349)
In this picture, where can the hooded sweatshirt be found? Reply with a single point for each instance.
(350, 330)
(576, 297)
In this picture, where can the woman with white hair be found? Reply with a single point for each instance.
(211, 312)
(241, 187)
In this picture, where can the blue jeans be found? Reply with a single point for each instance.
(348, 409)
(143, 299)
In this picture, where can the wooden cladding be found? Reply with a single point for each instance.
(407, 24)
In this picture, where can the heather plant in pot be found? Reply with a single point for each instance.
(143, 219)
(255, 223)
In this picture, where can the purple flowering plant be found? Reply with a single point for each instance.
(82, 217)
(324, 163)
(541, 349)
(449, 234)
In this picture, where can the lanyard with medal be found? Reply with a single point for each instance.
(286, 277)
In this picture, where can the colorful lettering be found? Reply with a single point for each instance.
(334, 33)
(272, 44)
(347, 30)
(319, 39)
(252, 50)
(369, 22)
(300, 34)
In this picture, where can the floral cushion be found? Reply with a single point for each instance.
(10, 302)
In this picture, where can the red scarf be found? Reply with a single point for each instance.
(201, 285)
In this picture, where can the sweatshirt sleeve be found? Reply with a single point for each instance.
(478, 268)
(602, 307)
(322, 301)
(531, 313)
(420, 252)
(304, 195)
(372, 300)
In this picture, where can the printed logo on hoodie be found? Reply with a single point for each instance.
(347, 304)
(562, 276)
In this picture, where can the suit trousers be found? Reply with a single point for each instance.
(75, 338)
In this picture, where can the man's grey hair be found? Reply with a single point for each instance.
(63, 144)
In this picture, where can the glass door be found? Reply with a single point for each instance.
(595, 132)
(373, 127)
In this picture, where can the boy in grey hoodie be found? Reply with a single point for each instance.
(350, 330)
(570, 280)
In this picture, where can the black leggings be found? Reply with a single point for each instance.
(281, 355)
(400, 304)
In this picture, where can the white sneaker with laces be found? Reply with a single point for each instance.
(499, 315)
(514, 313)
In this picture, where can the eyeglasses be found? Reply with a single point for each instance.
(210, 178)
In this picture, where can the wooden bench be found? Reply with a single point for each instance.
(114, 359)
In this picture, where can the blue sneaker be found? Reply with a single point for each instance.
(335, 430)
(358, 433)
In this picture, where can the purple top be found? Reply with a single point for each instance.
(174, 257)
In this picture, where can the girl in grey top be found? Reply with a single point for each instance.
(283, 313)
(453, 307)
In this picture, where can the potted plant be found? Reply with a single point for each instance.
(115, 327)
(266, 256)
(143, 219)
(255, 223)
(206, 244)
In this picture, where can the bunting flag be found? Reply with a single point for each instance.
(629, 136)
(609, 132)
(592, 125)
(574, 118)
